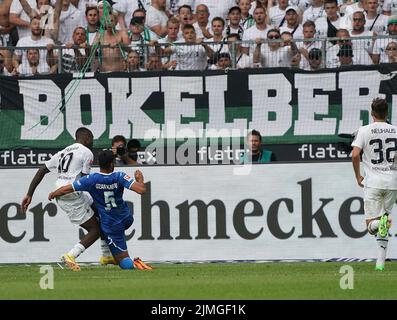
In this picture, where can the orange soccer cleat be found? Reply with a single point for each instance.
(140, 265)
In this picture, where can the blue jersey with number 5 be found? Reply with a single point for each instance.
(107, 193)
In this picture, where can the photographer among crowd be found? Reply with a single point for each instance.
(119, 144)
(126, 153)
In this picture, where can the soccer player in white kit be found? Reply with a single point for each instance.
(70, 164)
(378, 141)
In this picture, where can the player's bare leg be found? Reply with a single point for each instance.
(92, 228)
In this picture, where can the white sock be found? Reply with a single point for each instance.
(382, 249)
(105, 249)
(373, 226)
(77, 250)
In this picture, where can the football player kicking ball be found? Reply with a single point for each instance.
(106, 189)
(378, 141)
(70, 164)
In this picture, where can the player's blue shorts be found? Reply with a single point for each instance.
(114, 232)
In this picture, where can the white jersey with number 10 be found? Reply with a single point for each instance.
(70, 163)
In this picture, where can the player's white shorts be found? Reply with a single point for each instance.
(378, 201)
(77, 206)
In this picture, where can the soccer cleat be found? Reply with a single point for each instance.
(140, 265)
(107, 260)
(380, 267)
(69, 261)
(384, 225)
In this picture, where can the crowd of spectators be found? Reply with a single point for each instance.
(139, 35)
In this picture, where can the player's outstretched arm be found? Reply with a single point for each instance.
(61, 191)
(139, 185)
(33, 185)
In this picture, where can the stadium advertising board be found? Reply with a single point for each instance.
(287, 106)
(194, 213)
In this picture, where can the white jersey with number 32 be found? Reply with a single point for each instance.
(378, 141)
(70, 163)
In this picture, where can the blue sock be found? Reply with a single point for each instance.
(126, 263)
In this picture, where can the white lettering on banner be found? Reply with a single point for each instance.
(263, 103)
(358, 91)
(176, 107)
(98, 107)
(216, 87)
(128, 119)
(272, 113)
(309, 151)
(38, 104)
(278, 211)
(312, 105)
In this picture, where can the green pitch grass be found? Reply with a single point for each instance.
(202, 281)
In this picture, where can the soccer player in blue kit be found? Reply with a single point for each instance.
(106, 189)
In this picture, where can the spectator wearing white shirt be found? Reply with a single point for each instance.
(185, 16)
(315, 11)
(364, 46)
(133, 62)
(193, 55)
(391, 52)
(147, 34)
(202, 25)
(309, 32)
(277, 14)
(375, 21)
(20, 18)
(125, 9)
(3, 69)
(217, 8)
(273, 53)
(379, 54)
(174, 5)
(354, 7)
(267, 4)
(259, 30)
(70, 18)
(238, 57)
(390, 7)
(326, 27)
(247, 21)
(223, 61)
(343, 36)
(219, 45)
(293, 26)
(315, 59)
(157, 17)
(92, 17)
(32, 67)
(35, 40)
(76, 53)
(234, 22)
(171, 37)
(345, 55)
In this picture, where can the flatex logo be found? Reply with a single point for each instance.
(329, 151)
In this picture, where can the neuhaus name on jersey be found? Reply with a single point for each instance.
(384, 130)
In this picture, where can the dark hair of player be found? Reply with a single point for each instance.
(379, 108)
(82, 133)
(105, 159)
